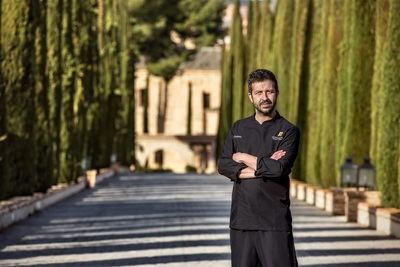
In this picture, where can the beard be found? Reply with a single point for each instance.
(265, 110)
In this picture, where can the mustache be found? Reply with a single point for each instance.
(266, 102)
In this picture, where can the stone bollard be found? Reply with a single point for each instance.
(310, 194)
(301, 191)
(91, 178)
(334, 201)
(388, 221)
(366, 215)
(351, 199)
(320, 198)
(293, 188)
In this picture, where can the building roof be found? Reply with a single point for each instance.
(205, 58)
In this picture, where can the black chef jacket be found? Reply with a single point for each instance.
(261, 203)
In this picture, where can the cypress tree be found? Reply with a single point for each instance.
(297, 53)
(359, 79)
(389, 113)
(17, 42)
(4, 162)
(249, 53)
(54, 72)
(236, 51)
(254, 36)
(342, 88)
(316, 146)
(3, 124)
(309, 151)
(125, 125)
(265, 39)
(382, 15)
(68, 129)
(86, 94)
(298, 68)
(225, 113)
(329, 89)
(281, 51)
(42, 132)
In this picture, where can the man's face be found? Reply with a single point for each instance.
(264, 97)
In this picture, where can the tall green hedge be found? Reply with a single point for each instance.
(311, 78)
(63, 99)
(236, 52)
(359, 80)
(382, 16)
(329, 92)
(389, 113)
(280, 63)
(337, 63)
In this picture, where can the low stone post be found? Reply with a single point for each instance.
(310, 194)
(301, 191)
(320, 195)
(388, 221)
(334, 201)
(352, 198)
(91, 178)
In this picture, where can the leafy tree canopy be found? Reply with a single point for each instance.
(161, 29)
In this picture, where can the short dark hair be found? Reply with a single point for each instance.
(260, 75)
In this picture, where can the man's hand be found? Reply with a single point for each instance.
(278, 155)
(238, 157)
(247, 173)
(249, 160)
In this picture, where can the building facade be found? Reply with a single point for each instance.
(177, 123)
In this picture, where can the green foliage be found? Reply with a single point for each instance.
(202, 20)
(236, 54)
(359, 80)
(280, 63)
(341, 99)
(329, 92)
(382, 16)
(69, 67)
(18, 86)
(225, 113)
(296, 62)
(165, 67)
(265, 39)
(298, 71)
(389, 113)
(309, 127)
(337, 63)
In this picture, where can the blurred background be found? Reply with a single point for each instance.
(156, 85)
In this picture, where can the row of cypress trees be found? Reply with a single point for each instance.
(338, 65)
(66, 90)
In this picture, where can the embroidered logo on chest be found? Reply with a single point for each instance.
(279, 136)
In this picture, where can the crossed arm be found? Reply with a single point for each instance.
(251, 162)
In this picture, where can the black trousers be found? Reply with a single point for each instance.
(262, 248)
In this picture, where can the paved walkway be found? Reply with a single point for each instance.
(174, 220)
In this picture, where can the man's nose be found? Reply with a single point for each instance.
(265, 96)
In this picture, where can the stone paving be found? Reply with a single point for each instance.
(174, 220)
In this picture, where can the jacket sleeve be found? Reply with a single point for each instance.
(226, 165)
(270, 168)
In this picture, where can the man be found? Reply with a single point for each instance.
(258, 155)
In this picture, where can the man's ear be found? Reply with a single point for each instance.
(250, 97)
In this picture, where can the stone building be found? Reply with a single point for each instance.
(179, 134)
